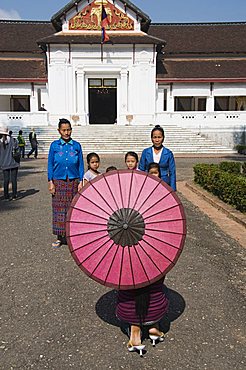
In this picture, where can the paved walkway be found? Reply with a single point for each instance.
(54, 317)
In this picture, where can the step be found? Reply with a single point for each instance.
(120, 139)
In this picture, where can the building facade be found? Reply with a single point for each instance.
(191, 75)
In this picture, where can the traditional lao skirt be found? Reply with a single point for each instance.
(158, 305)
(65, 191)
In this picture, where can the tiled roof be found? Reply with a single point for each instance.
(201, 38)
(95, 38)
(193, 51)
(211, 38)
(22, 36)
(201, 69)
(30, 70)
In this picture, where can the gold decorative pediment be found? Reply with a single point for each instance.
(101, 2)
(90, 18)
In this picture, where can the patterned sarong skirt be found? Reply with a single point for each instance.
(158, 305)
(65, 191)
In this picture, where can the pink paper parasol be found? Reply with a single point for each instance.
(126, 229)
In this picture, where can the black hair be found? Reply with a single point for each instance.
(111, 168)
(142, 300)
(20, 132)
(10, 133)
(132, 154)
(91, 155)
(157, 128)
(155, 165)
(64, 121)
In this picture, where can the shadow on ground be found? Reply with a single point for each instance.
(27, 193)
(6, 205)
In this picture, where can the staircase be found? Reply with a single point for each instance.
(113, 139)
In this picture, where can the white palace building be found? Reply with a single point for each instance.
(187, 75)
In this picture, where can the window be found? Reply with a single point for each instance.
(99, 82)
(109, 82)
(95, 82)
(201, 104)
(183, 103)
(221, 103)
(226, 103)
(20, 103)
(240, 102)
(190, 103)
(165, 99)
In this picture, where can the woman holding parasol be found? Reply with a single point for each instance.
(145, 306)
(126, 230)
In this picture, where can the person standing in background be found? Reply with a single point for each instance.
(42, 108)
(21, 143)
(8, 145)
(34, 144)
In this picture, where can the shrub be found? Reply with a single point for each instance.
(244, 168)
(241, 149)
(229, 187)
(232, 167)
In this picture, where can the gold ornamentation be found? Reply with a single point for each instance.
(90, 18)
(101, 2)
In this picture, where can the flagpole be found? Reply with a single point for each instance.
(101, 51)
(101, 33)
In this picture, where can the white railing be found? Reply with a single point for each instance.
(193, 120)
(24, 119)
(225, 128)
(198, 120)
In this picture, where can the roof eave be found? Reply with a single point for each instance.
(200, 79)
(23, 80)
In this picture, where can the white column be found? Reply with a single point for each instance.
(33, 103)
(81, 96)
(170, 99)
(210, 104)
(210, 99)
(81, 91)
(124, 96)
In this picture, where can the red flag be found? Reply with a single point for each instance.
(104, 24)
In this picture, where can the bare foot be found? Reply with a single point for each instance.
(154, 330)
(135, 337)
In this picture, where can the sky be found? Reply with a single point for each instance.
(164, 11)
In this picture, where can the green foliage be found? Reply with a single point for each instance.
(241, 149)
(244, 168)
(229, 187)
(232, 167)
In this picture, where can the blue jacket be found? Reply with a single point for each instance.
(167, 165)
(65, 160)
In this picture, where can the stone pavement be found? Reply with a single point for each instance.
(54, 317)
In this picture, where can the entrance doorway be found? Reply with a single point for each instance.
(102, 100)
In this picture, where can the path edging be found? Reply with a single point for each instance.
(217, 203)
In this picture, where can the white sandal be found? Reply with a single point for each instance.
(156, 338)
(139, 348)
(57, 244)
